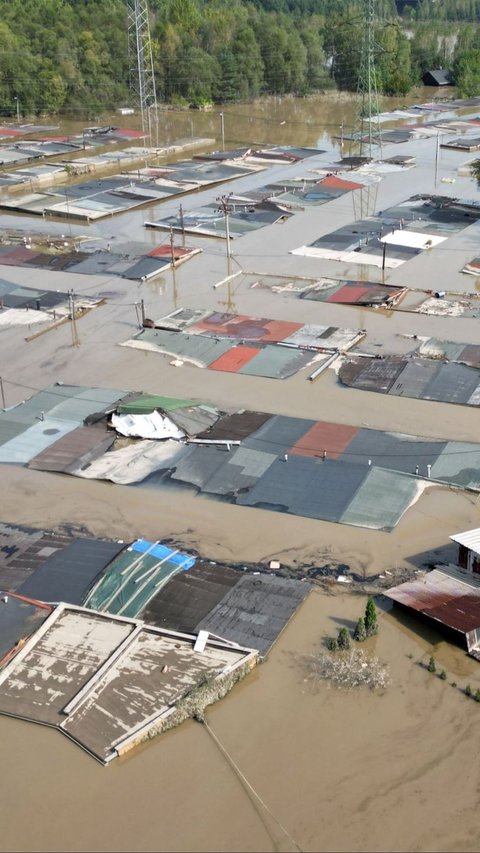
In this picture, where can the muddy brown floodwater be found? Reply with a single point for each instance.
(285, 120)
(396, 770)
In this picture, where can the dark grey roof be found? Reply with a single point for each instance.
(189, 596)
(23, 550)
(68, 574)
(312, 488)
(255, 611)
(18, 620)
(438, 77)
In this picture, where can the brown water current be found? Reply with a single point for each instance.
(389, 771)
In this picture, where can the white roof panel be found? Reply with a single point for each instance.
(470, 539)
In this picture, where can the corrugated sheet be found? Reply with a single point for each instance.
(189, 596)
(135, 576)
(440, 596)
(79, 447)
(237, 426)
(68, 574)
(379, 375)
(255, 611)
(470, 539)
(194, 419)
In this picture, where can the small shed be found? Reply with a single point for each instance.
(468, 550)
(438, 77)
(446, 599)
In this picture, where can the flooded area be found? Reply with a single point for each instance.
(336, 770)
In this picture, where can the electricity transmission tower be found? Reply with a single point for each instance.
(365, 199)
(141, 59)
(367, 82)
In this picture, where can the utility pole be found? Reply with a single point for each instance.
(222, 129)
(225, 208)
(182, 226)
(437, 157)
(3, 393)
(16, 98)
(174, 274)
(73, 323)
(140, 51)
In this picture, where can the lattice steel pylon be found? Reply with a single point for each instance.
(142, 72)
(367, 82)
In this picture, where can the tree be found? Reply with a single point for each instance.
(343, 641)
(475, 167)
(468, 690)
(432, 666)
(360, 633)
(371, 622)
(466, 70)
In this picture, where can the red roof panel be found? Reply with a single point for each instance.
(348, 293)
(340, 184)
(165, 251)
(234, 359)
(333, 438)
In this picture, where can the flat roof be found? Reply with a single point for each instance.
(104, 679)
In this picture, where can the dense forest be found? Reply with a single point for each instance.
(72, 55)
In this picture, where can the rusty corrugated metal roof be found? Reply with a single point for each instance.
(451, 601)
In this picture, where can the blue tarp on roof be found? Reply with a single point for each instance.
(161, 552)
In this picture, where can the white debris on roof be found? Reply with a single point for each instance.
(153, 425)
